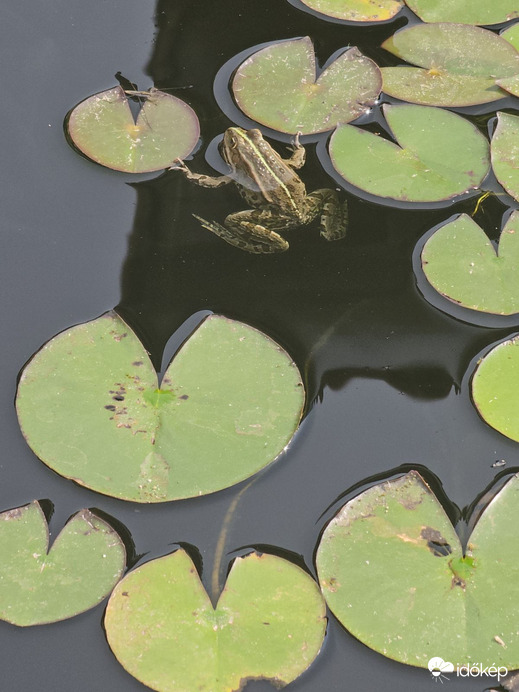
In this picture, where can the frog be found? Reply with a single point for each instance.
(270, 185)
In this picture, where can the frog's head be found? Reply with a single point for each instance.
(237, 145)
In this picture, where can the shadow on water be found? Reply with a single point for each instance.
(339, 308)
(347, 311)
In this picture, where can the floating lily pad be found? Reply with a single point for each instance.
(277, 86)
(90, 406)
(461, 263)
(495, 388)
(103, 128)
(465, 11)
(394, 573)
(357, 10)
(439, 155)
(505, 152)
(268, 623)
(38, 586)
(458, 65)
(512, 35)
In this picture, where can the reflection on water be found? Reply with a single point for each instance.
(386, 371)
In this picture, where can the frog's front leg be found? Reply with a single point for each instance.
(245, 230)
(334, 214)
(298, 158)
(199, 178)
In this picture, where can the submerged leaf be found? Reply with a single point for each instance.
(268, 623)
(357, 10)
(495, 388)
(277, 86)
(103, 128)
(394, 573)
(505, 152)
(465, 11)
(38, 585)
(439, 155)
(458, 65)
(90, 406)
(460, 262)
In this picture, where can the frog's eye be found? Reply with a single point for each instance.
(255, 134)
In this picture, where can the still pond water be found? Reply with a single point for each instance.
(387, 373)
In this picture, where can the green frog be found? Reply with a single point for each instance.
(270, 185)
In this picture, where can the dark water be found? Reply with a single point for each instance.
(387, 373)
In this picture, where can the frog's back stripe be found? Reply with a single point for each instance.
(268, 167)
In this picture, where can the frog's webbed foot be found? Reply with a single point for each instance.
(246, 235)
(334, 214)
(179, 165)
(298, 158)
(199, 178)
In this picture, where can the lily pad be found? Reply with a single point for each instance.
(465, 11)
(458, 65)
(495, 388)
(512, 35)
(278, 87)
(357, 10)
(38, 585)
(461, 263)
(104, 129)
(90, 406)
(269, 622)
(505, 152)
(439, 155)
(394, 572)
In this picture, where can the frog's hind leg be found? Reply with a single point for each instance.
(245, 233)
(334, 214)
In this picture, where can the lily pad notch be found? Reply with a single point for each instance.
(90, 406)
(39, 585)
(278, 87)
(461, 264)
(269, 623)
(437, 156)
(103, 128)
(394, 572)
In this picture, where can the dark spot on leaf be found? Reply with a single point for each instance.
(184, 396)
(266, 623)
(458, 581)
(137, 363)
(125, 593)
(110, 407)
(436, 542)
(118, 397)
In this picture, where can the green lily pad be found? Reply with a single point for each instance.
(439, 155)
(277, 86)
(512, 35)
(505, 152)
(465, 11)
(393, 571)
(38, 585)
(269, 622)
(495, 388)
(103, 128)
(458, 65)
(90, 406)
(460, 262)
(357, 10)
